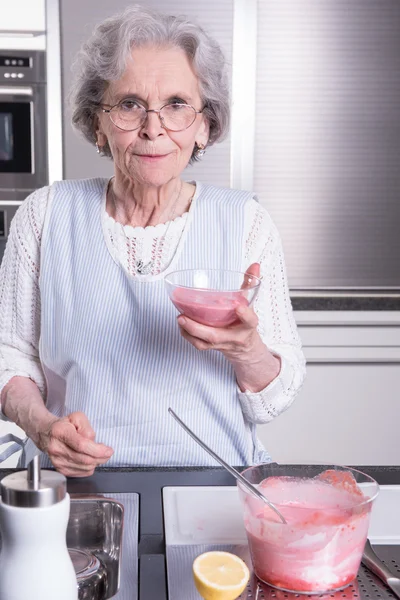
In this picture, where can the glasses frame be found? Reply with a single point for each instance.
(150, 110)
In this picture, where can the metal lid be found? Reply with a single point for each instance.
(33, 488)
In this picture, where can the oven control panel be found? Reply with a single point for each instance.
(16, 61)
(27, 66)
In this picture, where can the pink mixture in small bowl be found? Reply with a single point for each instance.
(327, 511)
(211, 296)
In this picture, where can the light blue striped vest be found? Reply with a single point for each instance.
(110, 345)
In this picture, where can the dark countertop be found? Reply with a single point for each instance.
(347, 303)
(148, 483)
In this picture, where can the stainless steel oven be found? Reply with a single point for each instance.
(23, 133)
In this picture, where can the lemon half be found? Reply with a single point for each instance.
(220, 575)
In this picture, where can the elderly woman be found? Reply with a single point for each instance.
(92, 350)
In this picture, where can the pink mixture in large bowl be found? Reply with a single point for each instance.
(211, 296)
(320, 547)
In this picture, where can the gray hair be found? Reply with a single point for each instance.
(103, 58)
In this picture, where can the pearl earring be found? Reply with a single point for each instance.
(98, 149)
(201, 150)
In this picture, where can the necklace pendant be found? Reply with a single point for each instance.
(144, 269)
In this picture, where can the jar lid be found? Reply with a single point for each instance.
(18, 490)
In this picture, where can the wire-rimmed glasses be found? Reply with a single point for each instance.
(129, 115)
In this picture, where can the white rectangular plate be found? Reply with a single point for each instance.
(385, 519)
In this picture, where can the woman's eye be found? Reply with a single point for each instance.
(130, 105)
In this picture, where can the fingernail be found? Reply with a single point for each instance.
(240, 310)
(109, 452)
(181, 320)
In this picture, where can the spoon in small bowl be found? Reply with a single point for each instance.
(250, 487)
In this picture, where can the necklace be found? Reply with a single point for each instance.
(141, 267)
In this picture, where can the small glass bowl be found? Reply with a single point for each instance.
(211, 296)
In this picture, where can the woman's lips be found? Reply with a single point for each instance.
(151, 157)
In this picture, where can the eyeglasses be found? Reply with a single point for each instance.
(129, 115)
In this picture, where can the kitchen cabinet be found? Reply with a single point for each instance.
(345, 414)
(348, 410)
(22, 16)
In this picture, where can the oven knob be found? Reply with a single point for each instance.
(13, 75)
(21, 75)
(7, 75)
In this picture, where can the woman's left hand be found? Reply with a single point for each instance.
(235, 341)
(240, 343)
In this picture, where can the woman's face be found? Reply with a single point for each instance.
(152, 155)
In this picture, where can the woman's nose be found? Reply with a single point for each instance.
(152, 127)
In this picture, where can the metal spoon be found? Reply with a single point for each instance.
(372, 561)
(253, 490)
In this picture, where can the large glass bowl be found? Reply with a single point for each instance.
(211, 296)
(327, 510)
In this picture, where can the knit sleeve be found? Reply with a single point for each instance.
(277, 326)
(19, 293)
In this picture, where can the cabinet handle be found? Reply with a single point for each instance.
(19, 33)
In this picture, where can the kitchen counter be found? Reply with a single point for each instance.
(148, 483)
(346, 303)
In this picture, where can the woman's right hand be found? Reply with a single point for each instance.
(69, 442)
